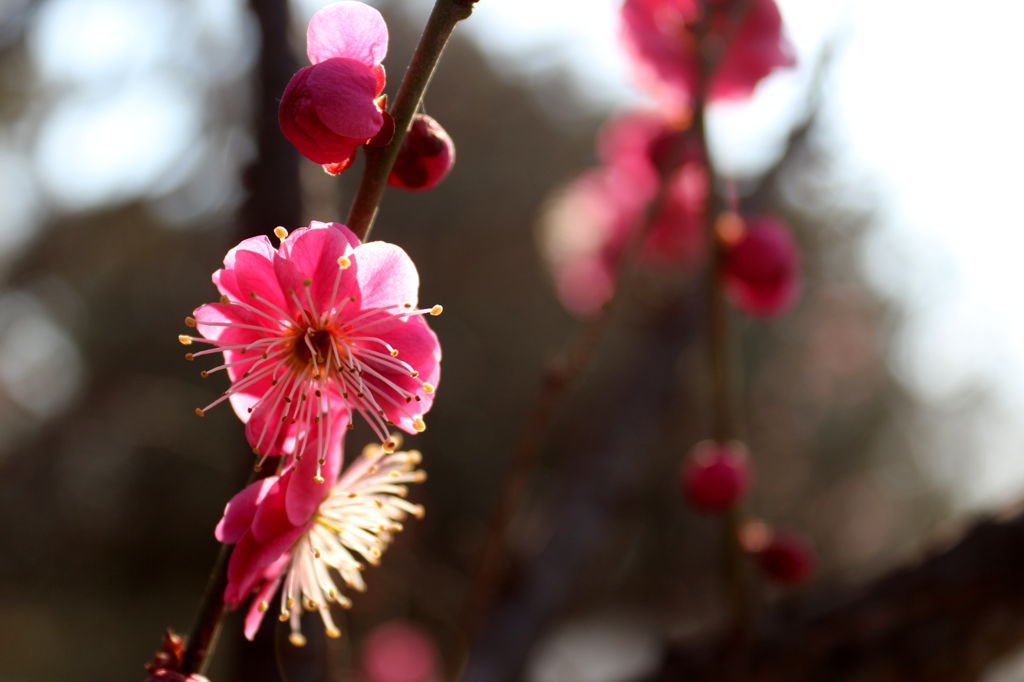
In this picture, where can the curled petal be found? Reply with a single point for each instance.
(302, 111)
(240, 510)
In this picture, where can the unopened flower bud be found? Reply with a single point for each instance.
(426, 156)
(786, 558)
(762, 271)
(715, 476)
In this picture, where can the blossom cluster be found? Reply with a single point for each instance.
(651, 158)
(335, 106)
(315, 334)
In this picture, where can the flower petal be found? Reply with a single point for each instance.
(304, 494)
(386, 274)
(300, 123)
(240, 510)
(254, 617)
(347, 29)
(343, 93)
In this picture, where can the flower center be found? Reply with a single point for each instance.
(313, 347)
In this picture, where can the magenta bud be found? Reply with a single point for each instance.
(426, 156)
(786, 558)
(715, 476)
(762, 271)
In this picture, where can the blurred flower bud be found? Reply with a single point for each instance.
(399, 651)
(786, 558)
(762, 271)
(426, 156)
(715, 476)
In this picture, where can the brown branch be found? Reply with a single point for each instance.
(379, 160)
(946, 617)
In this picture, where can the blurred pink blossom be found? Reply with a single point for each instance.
(762, 269)
(304, 530)
(398, 651)
(590, 223)
(331, 108)
(660, 36)
(315, 330)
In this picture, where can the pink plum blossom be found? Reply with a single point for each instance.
(762, 269)
(660, 36)
(590, 224)
(304, 531)
(426, 156)
(333, 107)
(315, 330)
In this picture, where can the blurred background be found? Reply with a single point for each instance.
(882, 410)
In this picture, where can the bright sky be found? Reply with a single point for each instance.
(925, 105)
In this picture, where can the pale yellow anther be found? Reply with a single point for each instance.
(200, 412)
(389, 445)
(318, 479)
(185, 339)
(283, 616)
(290, 603)
(344, 262)
(190, 321)
(189, 357)
(333, 633)
(263, 606)
(394, 352)
(437, 310)
(280, 232)
(419, 425)
(428, 388)
(296, 639)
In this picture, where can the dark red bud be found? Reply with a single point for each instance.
(786, 559)
(715, 476)
(426, 156)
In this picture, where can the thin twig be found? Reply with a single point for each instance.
(379, 160)
(556, 379)
(718, 336)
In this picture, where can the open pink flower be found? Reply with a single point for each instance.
(590, 224)
(762, 269)
(331, 108)
(660, 35)
(315, 330)
(292, 528)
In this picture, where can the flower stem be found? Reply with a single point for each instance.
(203, 635)
(379, 160)
(574, 359)
(204, 631)
(719, 338)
